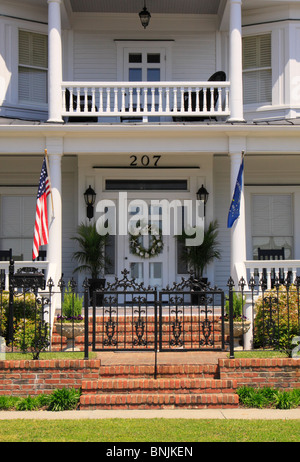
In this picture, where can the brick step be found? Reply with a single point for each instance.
(159, 401)
(163, 371)
(160, 385)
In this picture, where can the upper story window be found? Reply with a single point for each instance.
(33, 67)
(257, 69)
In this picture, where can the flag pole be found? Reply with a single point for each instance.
(48, 169)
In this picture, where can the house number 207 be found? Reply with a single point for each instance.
(144, 161)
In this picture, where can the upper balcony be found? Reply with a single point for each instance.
(146, 101)
(77, 60)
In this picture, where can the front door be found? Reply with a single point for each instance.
(147, 254)
(144, 65)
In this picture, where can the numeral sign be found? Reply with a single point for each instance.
(144, 161)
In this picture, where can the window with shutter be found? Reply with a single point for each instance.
(257, 69)
(272, 222)
(17, 223)
(33, 67)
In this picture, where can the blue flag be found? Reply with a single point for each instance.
(234, 211)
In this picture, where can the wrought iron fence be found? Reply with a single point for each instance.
(36, 316)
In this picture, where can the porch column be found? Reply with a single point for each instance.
(54, 250)
(235, 62)
(238, 230)
(54, 62)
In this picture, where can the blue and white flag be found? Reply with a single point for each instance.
(234, 211)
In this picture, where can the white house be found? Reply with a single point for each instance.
(123, 108)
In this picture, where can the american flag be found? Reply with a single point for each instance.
(41, 231)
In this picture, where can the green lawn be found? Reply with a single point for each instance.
(149, 430)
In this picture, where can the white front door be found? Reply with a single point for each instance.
(147, 256)
(144, 65)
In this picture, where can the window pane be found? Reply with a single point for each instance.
(135, 75)
(153, 58)
(135, 57)
(153, 75)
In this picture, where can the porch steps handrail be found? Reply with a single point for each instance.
(144, 98)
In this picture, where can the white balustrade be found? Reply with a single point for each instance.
(273, 268)
(143, 99)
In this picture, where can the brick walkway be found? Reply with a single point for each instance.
(146, 357)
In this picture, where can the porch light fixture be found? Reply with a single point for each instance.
(145, 16)
(89, 198)
(202, 195)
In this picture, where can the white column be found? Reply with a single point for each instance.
(54, 250)
(235, 62)
(54, 62)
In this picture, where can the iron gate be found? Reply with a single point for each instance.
(129, 316)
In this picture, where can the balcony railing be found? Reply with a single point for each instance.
(146, 99)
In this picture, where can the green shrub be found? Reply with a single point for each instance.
(64, 399)
(31, 336)
(72, 304)
(277, 319)
(58, 400)
(267, 397)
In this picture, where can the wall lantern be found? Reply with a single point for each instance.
(202, 195)
(89, 198)
(145, 16)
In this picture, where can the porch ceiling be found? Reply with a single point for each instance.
(154, 6)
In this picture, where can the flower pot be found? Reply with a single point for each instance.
(239, 328)
(70, 330)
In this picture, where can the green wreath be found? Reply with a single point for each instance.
(155, 248)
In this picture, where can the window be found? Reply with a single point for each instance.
(147, 185)
(33, 67)
(17, 225)
(257, 69)
(272, 224)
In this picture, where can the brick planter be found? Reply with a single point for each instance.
(33, 377)
(283, 373)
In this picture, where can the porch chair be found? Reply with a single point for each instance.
(219, 76)
(272, 254)
(80, 118)
(42, 256)
(5, 255)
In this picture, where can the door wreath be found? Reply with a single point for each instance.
(153, 250)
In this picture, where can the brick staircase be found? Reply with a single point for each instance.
(126, 333)
(132, 386)
(192, 386)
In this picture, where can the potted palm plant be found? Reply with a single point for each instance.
(198, 257)
(91, 255)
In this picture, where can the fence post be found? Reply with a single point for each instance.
(11, 303)
(230, 299)
(86, 319)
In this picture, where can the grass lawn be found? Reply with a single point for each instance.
(149, 430)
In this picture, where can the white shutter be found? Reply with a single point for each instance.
(33, 63)
(257, 70)
(272, 215)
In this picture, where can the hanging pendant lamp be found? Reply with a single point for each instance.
(145, 16)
